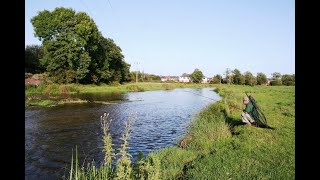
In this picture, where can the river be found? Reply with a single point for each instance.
(161, 118)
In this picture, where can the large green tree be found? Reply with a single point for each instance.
(250, 79)
(33, 54)
(261, 78)
(196, 76)
(75, 50)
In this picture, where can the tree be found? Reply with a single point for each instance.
(249, 79)
(196, 76)
(261, 78)
(288, 80)
(242, 80)
(75, 50)
(33, 54)
(238, 77)
(217, 79)
(276, 75)
(276, 79)
(229, 76)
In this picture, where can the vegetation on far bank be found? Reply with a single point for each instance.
(48, 94)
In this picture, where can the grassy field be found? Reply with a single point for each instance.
(46, 91)
(219, 146)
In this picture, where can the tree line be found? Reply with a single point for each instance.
(236, 77)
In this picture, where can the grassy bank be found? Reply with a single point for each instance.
(219, 146)
(45, 94)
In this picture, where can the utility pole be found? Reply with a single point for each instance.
(136, 76)
(137, 63)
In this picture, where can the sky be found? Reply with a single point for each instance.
(166, 37)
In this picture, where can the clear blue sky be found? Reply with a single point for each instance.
(173, 37)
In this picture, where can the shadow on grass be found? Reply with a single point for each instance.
(238, 122)
(232, 123)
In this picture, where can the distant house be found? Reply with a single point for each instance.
(184, 78)
(169, 78)
(206, 80)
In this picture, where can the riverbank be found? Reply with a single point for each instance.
(50, 94)
(219, 146)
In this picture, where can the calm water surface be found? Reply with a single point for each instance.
(161, 118)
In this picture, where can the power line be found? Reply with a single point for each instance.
(110, 4)
(91, 15)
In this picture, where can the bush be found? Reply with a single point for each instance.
(276, 83)
(135, 88)
(167, 86)
(114, 83)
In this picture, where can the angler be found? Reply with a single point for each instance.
(252, 114)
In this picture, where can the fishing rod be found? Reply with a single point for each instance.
(218, 101)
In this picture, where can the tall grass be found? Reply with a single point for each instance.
(57, 89)
(148, 168)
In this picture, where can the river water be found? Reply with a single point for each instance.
(161, 118)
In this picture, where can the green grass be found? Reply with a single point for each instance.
(135, 87)
(56, 89)
(222, 148)
(40, 102)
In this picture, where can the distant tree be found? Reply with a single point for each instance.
(217, 79)
(249, 79)
(276, 79)
(288, 80)
(33, 54)
(185, 75)
(261, 78)
(276, 75)
(276, 82)
(238, 78)
(196, 76)
(133, 75)
(151, 78)
(242, 80)
(229, 76)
